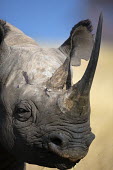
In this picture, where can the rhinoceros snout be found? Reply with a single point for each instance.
(65, 147)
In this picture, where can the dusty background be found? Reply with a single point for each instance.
(100, 155)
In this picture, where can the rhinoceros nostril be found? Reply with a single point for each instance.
(56, 139)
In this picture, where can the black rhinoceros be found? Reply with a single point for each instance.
(44, 119)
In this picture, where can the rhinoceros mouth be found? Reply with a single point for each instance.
(53, 157)
(52, 160)
(60, 163)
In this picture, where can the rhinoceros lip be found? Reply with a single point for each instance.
(55, 150)
(63, 167)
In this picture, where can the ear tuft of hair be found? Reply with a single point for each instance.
(4, 29)
(85, 23)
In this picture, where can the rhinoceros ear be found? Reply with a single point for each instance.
(80, 43)
(4, 29)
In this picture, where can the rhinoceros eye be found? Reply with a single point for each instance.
(22, 112)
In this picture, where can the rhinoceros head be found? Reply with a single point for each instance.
(47, 124)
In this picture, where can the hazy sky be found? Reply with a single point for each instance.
(50, 21)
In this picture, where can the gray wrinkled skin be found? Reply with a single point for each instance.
(38, 124)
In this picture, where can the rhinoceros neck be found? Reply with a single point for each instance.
(8, 162)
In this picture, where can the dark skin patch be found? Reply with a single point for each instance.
(26, 77)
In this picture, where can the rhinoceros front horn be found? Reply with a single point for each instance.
(77, 97)
(62, 76)
(84, 85)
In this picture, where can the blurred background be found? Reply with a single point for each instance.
(49, 23)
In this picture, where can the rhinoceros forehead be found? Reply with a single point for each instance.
(30, 64)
